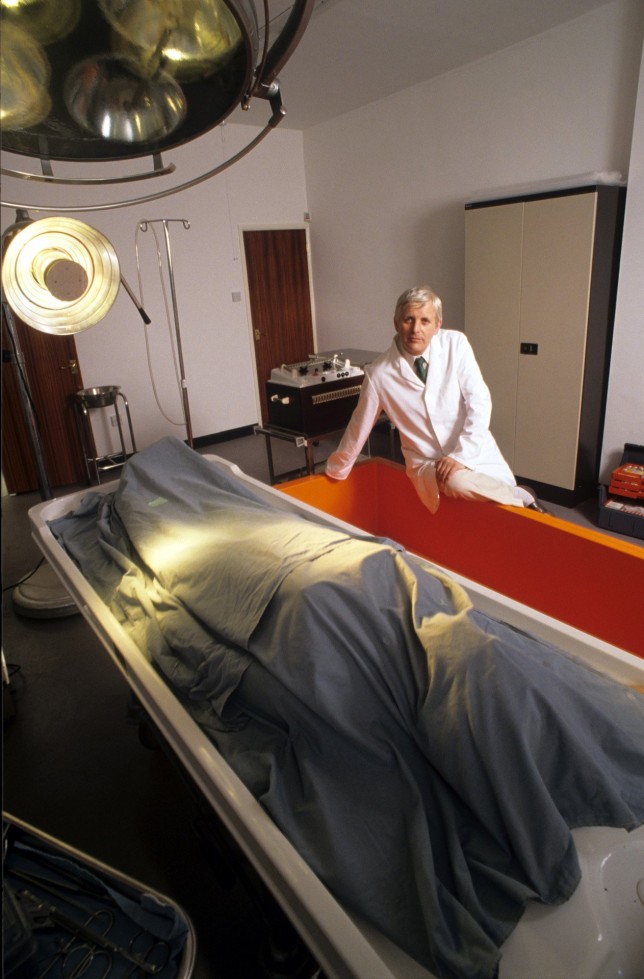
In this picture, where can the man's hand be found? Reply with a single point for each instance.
(444, 469)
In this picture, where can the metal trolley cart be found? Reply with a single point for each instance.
(307, 401)
(101, 397)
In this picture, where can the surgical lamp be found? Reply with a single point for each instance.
(113, 80)
(59, 276)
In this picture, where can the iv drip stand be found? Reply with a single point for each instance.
(143, 225)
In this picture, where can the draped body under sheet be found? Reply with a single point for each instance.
(426, 760)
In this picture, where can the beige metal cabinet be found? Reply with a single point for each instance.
(540, 280)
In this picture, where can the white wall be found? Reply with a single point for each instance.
(625, 410)
(385, 187)
(266, 188)
(387, 184)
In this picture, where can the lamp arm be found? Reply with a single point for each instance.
(287, 40)
(186, 185)
(144, 316)
(159, 170)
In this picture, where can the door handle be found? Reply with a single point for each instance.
(71, 365)
(258, 335)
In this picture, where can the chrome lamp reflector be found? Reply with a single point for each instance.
(116, 79)
(60, 275)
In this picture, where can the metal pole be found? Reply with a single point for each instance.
(175, 311)
(27, 405)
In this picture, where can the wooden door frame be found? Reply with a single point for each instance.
(290, 226)
(34, 356)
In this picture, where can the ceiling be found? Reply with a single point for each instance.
(359, 51)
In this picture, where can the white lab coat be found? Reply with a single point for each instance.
(449, 415)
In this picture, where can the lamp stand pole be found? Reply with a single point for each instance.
(41, 595)
(27, 404)
(143, 225)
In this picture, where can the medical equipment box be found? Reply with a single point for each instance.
(313, 397)
(628, 481)
(67, 914)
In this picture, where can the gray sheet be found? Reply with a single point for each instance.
(426, 760)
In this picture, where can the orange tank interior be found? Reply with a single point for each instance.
(579, 576)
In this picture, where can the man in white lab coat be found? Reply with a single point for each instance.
(431, 388)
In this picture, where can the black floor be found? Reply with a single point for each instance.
(75, 766)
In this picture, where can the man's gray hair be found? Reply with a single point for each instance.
(418, 296)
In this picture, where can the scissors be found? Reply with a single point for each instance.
(80, 959)
(43, 914)
(158, 949)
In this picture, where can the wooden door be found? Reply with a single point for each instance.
(279, 289)
(51, 367)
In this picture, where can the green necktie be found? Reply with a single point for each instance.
(420, 365)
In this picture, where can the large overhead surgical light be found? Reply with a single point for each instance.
(108, 80)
